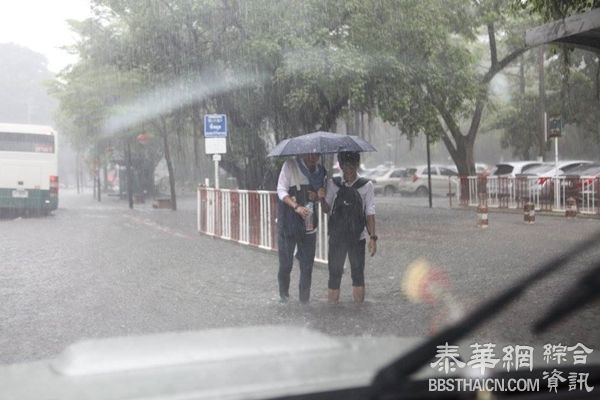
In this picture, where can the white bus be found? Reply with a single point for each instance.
(28, 169)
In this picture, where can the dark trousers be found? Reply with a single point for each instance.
(337, 256)
(306, 256)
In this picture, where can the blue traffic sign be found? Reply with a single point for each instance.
(215, 125)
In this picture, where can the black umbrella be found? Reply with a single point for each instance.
(321, 143)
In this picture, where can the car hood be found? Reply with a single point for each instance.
(231, 363)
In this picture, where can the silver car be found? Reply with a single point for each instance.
(390, 182)
(443, 180)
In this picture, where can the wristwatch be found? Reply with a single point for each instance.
(374, 237)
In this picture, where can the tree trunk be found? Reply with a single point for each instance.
(105, 176)
(463, 157)
(169, 164)
(196, 132)
(522, 76)
(232, 167)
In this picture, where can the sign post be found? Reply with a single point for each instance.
(555, 131)
(215, 139)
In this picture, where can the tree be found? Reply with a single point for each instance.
(23, 97)
(278, 69)
(519, 126)
(575, 80)
(551, 10)
(426, 65)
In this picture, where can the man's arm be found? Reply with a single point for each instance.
(283, 185)
(370, 211)
(372, 234)
(326, 197)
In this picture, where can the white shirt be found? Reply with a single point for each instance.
(367, 193)
(289, 176)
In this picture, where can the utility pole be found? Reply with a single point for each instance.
(129, 174)
(429, 171)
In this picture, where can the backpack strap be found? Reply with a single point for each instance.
(360, 182)
(295, 174)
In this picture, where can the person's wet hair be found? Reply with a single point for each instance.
(351, 157)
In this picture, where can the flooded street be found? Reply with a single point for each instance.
(100, 270)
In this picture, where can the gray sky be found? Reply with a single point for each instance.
(41, 26)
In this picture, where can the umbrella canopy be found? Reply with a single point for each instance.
(321, 143)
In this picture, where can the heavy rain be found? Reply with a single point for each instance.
(163, 164)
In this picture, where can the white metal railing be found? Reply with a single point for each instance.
(589, 186)
(551, 194)
(226, 213)
(265, 220)
(256, 222)
(322, 239)
(473, 199)
(210, 211)
(244, 222)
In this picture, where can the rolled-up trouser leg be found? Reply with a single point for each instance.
(286, 247)
(356, 256)
(336, 258)
(306, 257)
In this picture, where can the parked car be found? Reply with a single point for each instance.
(544, 184)
(501, 183)
(583, 170)
(390, 182)
(514, 168)
(440, 175)
(581, 179)
(538, 181)
(362, 170)
(481, 169)
(551, 169)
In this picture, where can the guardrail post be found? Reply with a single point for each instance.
(482, 213)
(529, 213)
(571, 209)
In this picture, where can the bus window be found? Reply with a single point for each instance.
(33, 143)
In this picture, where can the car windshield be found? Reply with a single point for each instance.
(503, 169)
(184, 166)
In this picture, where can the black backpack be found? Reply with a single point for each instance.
(347, 219)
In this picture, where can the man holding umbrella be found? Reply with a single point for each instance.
(301, 183)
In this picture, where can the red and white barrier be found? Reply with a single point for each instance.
(546, 194)
(248, 217)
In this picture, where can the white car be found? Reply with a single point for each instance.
(514, 168)
(543, 186)
(500, 181)
(441, 177)
(481, 169)
(391, 181)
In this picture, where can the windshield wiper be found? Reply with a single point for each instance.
(394, 376)
(584, 291)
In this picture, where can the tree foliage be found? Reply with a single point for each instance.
(23, 76)
(551, 10)
(283, 68)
